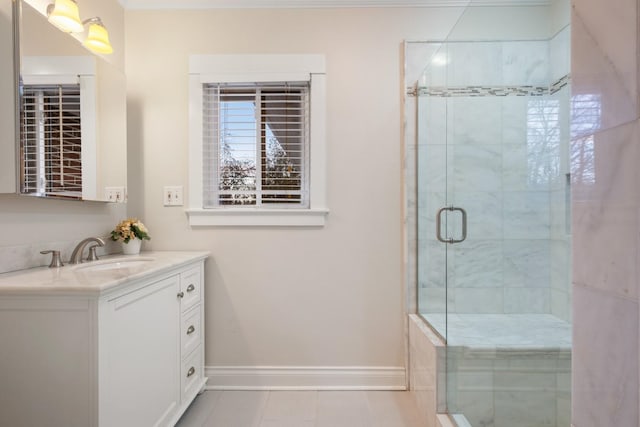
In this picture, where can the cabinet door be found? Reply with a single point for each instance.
(139, 381)
(45, 362)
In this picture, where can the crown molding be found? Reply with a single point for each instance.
(307, 4)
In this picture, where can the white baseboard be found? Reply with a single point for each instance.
(304, 378)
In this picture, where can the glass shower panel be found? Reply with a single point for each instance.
(494, 142)
(507, 169)
(432, 194)
(432, 256)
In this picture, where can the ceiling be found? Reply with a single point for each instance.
(243, 4)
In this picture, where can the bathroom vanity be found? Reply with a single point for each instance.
(117, 342)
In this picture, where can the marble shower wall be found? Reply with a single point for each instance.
(606, 208)
(507, 167)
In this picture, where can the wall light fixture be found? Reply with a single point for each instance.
(97, 38)
(64, 14)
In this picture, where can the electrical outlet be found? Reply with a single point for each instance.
(173, 195)
(115, 194)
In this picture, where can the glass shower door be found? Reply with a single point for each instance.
(493, 235)
(432, 196)
(442, 222)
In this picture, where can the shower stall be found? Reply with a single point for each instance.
(492, 224)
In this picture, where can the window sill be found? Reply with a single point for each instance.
(225, 217)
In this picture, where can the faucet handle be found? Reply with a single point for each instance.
(93, 256)
(55, 258)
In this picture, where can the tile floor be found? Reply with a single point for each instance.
(302, 409)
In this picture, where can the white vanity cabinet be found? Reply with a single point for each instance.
(131, 356)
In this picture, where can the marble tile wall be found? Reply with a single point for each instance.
(497, 63)
(514, 222)
(417, 57)
(560, 54)
(606, 217)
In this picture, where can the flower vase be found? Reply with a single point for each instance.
(132, 247)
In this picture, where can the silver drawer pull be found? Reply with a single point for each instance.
(180, 295)
(191, 288)
(191, 371)
(191, 329)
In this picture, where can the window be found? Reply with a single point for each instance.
(255, 144)
(257, 140)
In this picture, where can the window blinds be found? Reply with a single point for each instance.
(256, 144)
(50, 133)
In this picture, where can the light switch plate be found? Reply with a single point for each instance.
(172, 195)
(115, 194)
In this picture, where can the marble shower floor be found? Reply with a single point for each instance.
(504, 331)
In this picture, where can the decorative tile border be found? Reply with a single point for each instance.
(558, 85)
(451, 92)
(477, 91)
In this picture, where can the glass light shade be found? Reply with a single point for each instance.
(98, 39)
(65, 15)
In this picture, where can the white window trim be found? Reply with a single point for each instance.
(258, 68)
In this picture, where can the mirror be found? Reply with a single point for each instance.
(72, 115)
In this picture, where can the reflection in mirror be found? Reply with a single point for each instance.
(72, 131)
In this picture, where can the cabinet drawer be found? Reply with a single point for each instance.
(190, 330)
(191, 374)
(190, 286)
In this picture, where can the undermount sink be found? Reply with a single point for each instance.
(113, 264)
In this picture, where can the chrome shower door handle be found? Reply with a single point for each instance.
(439, 224)
(464, 225)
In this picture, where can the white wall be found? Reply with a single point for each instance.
(331, 296)
(27, 224)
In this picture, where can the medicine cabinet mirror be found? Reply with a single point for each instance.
(71, 136)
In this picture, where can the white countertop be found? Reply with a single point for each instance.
(80, 280)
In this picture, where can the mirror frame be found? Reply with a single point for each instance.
(17, 66)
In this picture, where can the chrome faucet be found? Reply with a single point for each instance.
(76, 255)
